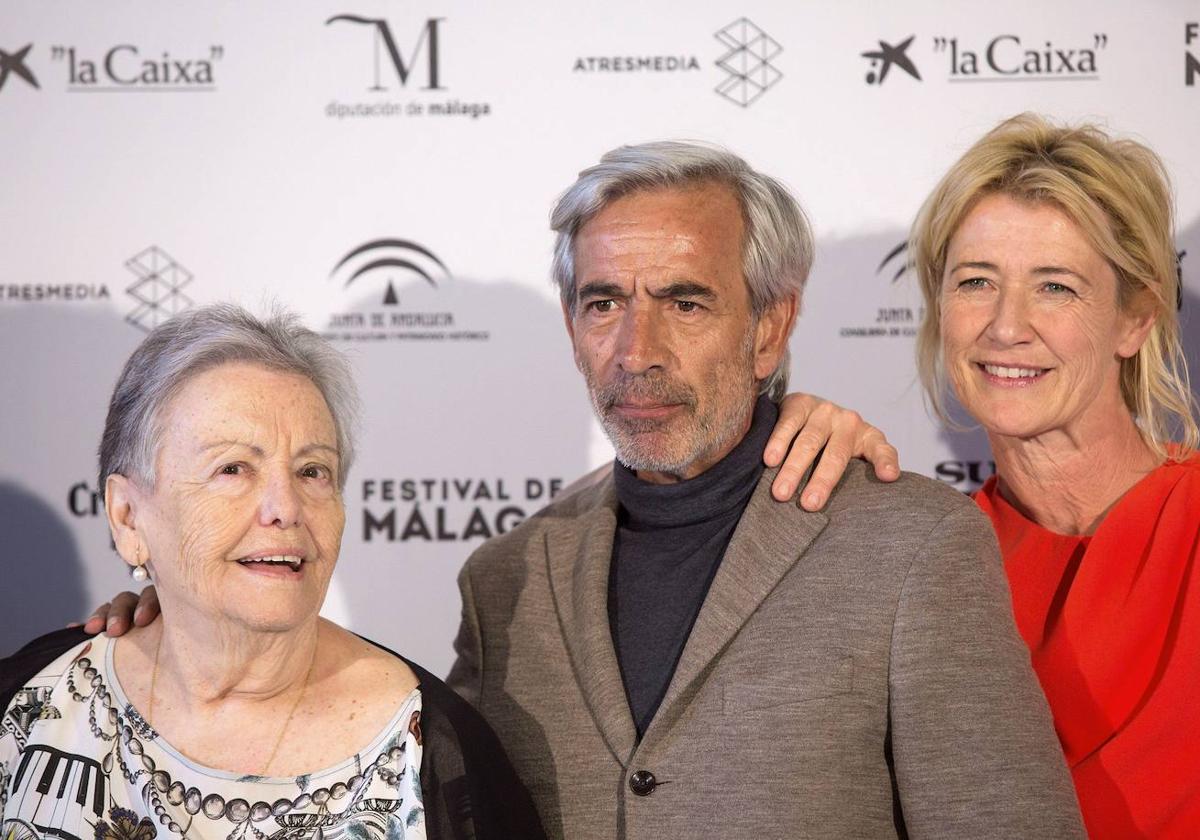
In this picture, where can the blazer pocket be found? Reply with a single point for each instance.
(769, 692)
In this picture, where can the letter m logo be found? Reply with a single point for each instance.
(427, 42)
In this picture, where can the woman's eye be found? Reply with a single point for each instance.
(232, 469)
(1059, 289)
(315, 471)
(973, 283)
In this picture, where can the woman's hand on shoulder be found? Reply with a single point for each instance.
(810, 427)
(123, 612)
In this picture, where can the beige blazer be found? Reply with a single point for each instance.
(852, 673)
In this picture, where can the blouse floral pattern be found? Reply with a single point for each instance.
(78, 762)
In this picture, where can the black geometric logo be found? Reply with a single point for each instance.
(747, 61)
(427, 41)
(157, 289)
(15, 63)
(399, 258)
(899, 252)
(883, 59)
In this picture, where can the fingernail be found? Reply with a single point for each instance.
(138, 613)
(787, 487)
(112, 621)
(813, 500)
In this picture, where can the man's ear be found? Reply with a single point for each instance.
(772, 334)
(121, 507)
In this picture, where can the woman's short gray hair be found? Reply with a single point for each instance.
(776, 254)
(199, 340)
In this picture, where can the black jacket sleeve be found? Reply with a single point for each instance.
(22, 666)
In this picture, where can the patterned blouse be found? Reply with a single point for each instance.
(78, 762)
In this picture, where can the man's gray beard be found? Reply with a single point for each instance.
(703, 435)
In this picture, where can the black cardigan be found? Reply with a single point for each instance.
(470, 789)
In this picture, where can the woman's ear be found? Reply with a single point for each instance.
(121, 507)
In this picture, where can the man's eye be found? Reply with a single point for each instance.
(315, 471)
(687, 305)
(600, 305)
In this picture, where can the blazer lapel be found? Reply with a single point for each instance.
(768, 541)
(579, 554)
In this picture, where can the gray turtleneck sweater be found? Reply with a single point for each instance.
(669, 543)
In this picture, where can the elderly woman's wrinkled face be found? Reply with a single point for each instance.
(1032, 333)
(245, 519)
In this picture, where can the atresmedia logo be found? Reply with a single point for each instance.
(747, 62)
(393, 67)
(158, 289)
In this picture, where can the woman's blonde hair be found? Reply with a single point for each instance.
(1118, 192)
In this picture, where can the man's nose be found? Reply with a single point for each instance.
(641, 341)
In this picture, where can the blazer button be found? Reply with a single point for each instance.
(643, 783)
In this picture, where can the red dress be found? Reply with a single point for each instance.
(1113, 624)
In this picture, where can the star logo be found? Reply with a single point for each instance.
(15, 63)
(886, 56)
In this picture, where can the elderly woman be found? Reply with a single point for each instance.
(241, 713)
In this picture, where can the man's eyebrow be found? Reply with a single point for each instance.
(600, 289)
(685, 288)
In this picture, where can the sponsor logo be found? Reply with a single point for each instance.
(897, 319)
(886, 57)
(747, 62)
(416, 69)
(966, 476)
(14, 64)
(82, 500)
(1191, 64)
(53, 292)
(407, 277)
(449, 509)
(158, 288)
(636, 64)
(1007, 58)
(126, 67)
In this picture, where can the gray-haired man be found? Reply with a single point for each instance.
(669, 653)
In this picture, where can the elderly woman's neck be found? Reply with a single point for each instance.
(232, 663)
(1068, 479)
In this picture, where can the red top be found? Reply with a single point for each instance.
(1113, 624)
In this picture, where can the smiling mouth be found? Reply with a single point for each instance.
(1015, 373)
(292, 561)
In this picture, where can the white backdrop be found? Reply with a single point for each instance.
(386, 170)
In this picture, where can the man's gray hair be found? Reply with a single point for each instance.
(199, 340)
(778, 249)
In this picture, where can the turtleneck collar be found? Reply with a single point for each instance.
(724, 488)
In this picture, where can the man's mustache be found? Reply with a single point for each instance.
(656, 388)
